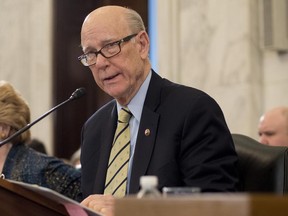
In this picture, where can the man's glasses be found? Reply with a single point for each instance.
(107, 51)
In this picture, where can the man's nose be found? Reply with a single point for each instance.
(101, 61)
(263, 140)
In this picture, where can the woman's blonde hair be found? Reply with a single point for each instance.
(14, 111)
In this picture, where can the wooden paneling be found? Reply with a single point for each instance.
(69, 74)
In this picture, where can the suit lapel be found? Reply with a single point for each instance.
(147, 133)
(144, 147)
(107, 136)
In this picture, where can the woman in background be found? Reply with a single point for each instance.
(19, 162)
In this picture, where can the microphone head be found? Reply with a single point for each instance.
(78, 93)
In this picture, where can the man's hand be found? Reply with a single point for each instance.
(102, 204)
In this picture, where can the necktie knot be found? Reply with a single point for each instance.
(124, 115)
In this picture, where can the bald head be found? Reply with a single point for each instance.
(109, 21)
(105, 17)
(273, 127)
(116, 48)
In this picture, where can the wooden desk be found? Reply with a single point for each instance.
(18, 198)
(205, 205)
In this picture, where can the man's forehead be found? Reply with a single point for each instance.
(106, 15)
(93, 41)
(106, 27)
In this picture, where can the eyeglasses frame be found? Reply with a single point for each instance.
(119, 42)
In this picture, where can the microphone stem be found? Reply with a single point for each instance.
(45, 114)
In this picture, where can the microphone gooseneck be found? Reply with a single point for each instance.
(75, 95)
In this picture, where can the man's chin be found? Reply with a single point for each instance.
(114, 92)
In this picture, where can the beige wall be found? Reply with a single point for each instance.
(25, 57)
(212, 45)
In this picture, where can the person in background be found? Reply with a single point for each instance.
(273, 127)
(37, 145)
(75, 159)
(177, 133)
(21, 163)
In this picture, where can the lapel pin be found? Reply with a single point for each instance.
(147, 132)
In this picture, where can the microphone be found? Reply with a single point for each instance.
(75, 95)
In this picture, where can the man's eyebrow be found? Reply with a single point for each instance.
(86, 49)
(269, 133)
(82, 48)
(103, 43)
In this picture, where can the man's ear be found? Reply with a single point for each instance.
(144, 44)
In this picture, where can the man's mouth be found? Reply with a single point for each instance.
(111, 77)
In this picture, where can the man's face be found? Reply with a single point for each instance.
(272, 129)
(121, 75)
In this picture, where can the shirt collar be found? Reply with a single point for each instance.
(136, 104)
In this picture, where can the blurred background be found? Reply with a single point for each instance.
(235, 50)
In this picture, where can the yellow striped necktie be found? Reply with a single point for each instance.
(116, 178)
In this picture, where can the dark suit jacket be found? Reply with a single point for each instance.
(189, 144)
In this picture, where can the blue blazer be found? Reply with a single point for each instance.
(24, 164)
(189, 142)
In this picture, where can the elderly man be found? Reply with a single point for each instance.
(171, 131)
(273, 127)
